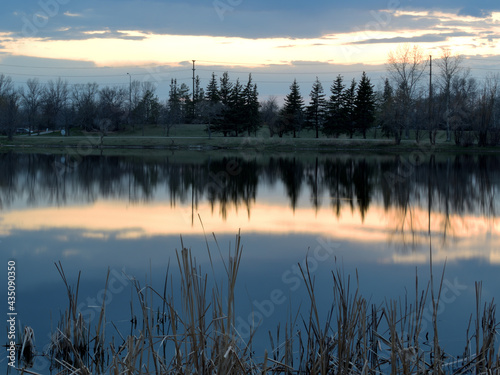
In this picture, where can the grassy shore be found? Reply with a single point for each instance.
(194, 138)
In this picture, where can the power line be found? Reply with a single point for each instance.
(291, 72)
(254, 70)
(88, 67)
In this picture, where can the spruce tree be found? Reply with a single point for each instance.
(365, 105)
(292, 114)
(349, 109)
(174, 103)
(199, 96)
(251, 118)
(387, 114)
(225, 88)
(315, 111)
(234, 118)
(212, 106)
(212, 94)
(222, 123)
(186, 102)
(335, 108)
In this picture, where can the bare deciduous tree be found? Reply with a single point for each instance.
(112, 105)
(54, 98)
(406, 65)
(449, 67)
(9, 106)
(31, 101)
(464, 93)
(270, 114)
(484, 119)
(85, 101)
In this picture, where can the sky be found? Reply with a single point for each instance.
(276, 41)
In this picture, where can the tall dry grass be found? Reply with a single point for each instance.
(196, 334)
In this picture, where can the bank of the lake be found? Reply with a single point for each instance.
(93, 143)
(193, 137)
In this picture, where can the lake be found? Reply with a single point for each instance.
(373, 218)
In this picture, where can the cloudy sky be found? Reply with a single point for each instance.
(276, 40)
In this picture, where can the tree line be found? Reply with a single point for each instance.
(407, 107)
(227, 108)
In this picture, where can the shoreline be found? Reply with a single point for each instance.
(92, 144)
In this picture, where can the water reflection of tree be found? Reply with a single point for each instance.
(292, 175)
(449, 189)
(446, 187)
(232, 182)
(314, 178)
(8, 171)
(362, 179)
(399, 187)
(350, 181)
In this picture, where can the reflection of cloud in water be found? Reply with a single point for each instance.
(96, 235)
(71, 253)
(466, 237)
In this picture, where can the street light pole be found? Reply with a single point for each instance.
(129, 96)
(193, 87)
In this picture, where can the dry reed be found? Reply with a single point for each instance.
(197, 335)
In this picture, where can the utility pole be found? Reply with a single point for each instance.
(129, 96)
(193, 86)
(431, 130)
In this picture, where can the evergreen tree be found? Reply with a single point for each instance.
(235, 114)
(185, 98)
(292, 114)
(386, 112)
(198, 90)
(212, 93)
(364, 105)
(335, 109)
(222, 123)
(315, 111)
(225, 88)
(349, 110)
(198, 104)
(212, 107)
(251, 116)
(174, 103)
(149, 106)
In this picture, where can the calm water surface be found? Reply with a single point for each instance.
(377, 215)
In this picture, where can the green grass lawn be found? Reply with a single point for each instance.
(194, 137)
